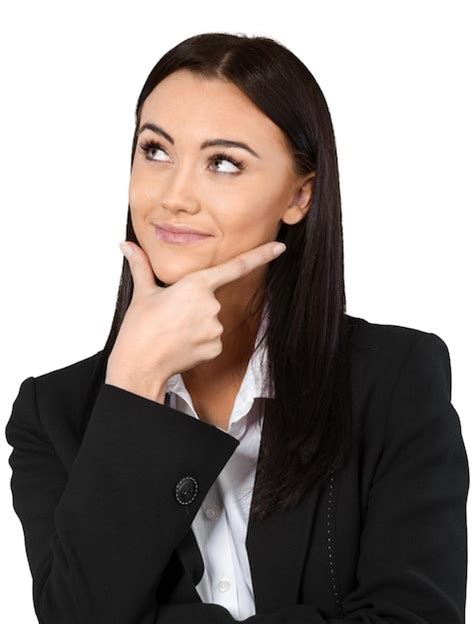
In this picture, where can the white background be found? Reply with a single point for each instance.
(397, 77)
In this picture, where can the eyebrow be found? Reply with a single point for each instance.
(204, 144)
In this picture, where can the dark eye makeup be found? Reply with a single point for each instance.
(149, 144)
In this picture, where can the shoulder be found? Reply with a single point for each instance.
(382, 352)
(394, 342)
(78, 374)
(401, 392)
(55, 401)
(67, 390)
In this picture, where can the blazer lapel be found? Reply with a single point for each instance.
(277, 546)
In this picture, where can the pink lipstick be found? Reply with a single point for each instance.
(176, 238)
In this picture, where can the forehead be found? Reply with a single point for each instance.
(189, 106)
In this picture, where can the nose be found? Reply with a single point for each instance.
(178, 191)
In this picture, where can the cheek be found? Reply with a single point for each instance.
(135, 193)
(139, 187)
(257, 214)
(245, 227)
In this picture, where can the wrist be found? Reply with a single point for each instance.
(154, 392)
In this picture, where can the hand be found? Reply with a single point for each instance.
(170, 330)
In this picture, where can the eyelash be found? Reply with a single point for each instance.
(150, 143)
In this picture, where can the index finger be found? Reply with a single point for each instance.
(241, 264)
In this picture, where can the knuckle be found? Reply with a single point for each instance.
(190, 280)
(217, 327)
(199, 277)
(211, 307)
(195, 277)
(242, 265)
(194, 285)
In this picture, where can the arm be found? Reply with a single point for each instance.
(97, 542)
(412, 567)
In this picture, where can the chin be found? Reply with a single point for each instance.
(171, 267)
(170, 277)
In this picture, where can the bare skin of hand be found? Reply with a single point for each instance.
(181, 320)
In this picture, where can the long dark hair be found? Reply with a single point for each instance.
(306, 434)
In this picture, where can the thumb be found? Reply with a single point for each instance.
(140, 267)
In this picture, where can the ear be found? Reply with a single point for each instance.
(300, 202)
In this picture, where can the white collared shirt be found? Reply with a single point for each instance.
(220, 525)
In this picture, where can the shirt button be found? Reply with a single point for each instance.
(186, 490)
(212, 512)
(223, 586)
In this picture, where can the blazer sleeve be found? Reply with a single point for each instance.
(412, 566)
(97, 542)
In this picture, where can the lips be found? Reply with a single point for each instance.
(180, 228)
(179, 238)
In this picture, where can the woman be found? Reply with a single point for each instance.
(135, 470)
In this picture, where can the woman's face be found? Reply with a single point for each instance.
(181, 182)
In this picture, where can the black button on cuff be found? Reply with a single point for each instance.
(186, 490)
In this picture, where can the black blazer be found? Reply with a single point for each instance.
(107, 516)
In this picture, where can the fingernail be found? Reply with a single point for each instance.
(126, 249)
(278, 248)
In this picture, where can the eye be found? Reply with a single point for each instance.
(150, 144)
